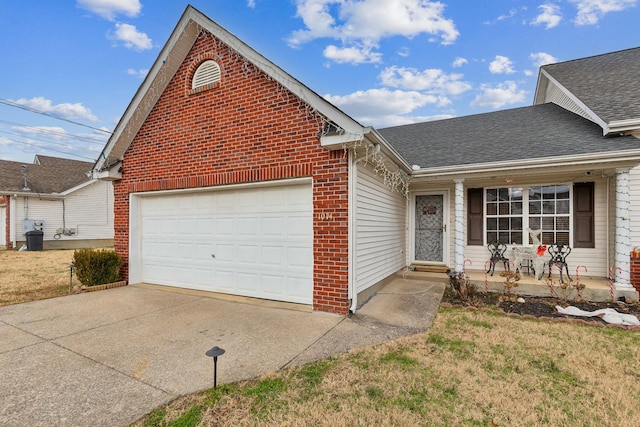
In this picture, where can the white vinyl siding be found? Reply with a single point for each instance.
(380, 217)
(634, 207)
(89, 210)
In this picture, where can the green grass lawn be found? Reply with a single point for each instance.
(473, 368)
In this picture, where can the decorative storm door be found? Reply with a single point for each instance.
(429, 228)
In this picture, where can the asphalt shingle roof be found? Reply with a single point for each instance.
(538, 131)
(47, 175)
(608, 84)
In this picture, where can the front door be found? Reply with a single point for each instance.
(430, 228)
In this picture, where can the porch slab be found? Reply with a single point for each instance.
(596, 288)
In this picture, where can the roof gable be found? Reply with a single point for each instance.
(171, 57)
(47, 175)
(600, 88)
(529, 133)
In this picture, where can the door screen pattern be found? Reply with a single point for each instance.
(429, 228)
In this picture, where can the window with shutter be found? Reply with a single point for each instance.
(475, 205)
(583, 215)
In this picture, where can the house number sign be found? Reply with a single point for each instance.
(324, 216)
(429, 210)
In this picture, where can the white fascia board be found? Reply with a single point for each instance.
(170, 59)
(152, 87)
(541, 88)
(375, 136)
(627, 158)
(616, 126)
(592, 116)
(78, 187)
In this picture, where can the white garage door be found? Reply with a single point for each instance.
(254, 242)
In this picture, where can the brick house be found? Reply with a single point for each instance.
(231, 176)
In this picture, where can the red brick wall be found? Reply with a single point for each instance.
(245, 129)
(635, 270)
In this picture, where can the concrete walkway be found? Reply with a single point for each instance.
(107, 358)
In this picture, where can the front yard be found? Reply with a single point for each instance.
(29, 276)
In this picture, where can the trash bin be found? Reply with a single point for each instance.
(34, 240)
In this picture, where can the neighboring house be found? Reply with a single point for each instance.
(60, 198)
(232, 176)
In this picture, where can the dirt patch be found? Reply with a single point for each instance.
(539, 307)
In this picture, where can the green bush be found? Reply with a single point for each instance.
(96, 266)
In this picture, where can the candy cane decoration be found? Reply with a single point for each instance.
(486, 278)
(464, 264)
(550, 281)
(579, 291)
(611, 278)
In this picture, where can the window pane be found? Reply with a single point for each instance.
(492, 195)
(562, 206)
(562, 238)
(547, 238)
(534, 223)
(549, 192)
(503, 194)
(516, 238)
(516, 224)
(504, 237)
(516, 193)
(534, 193)
(535, 208)
(549, 207)
(562, 223)
(492, 208)
(492, 224)
(516, 208)
(548, 223)
(504, 208)
(562, 192)
(503, 224)
(492, 237)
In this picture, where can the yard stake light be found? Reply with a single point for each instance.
(215, 352)
(70, 277)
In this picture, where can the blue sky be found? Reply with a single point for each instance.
(69, 68)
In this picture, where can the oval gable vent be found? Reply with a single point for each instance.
(207, 73)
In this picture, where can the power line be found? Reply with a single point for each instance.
(49, 149)
(62, 144)
(44, 113)
(38, 129)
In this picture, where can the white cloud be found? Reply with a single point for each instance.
(109, 9)
(130, 36)
(141, 73)
(432, 80)
(549, 17)
(501, 65)
(65, 110)
(404, 52)
(459, 62)
(251, 4)
(542, 58)
(590, 11)
(352, 55)
(498, 96)
(366, 22)
(381, 102)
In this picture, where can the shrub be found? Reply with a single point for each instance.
(96, 266)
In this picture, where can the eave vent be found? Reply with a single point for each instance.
(207, 73)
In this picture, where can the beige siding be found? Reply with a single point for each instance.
(379, 230)
(596, 259)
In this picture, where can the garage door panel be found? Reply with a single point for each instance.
(261, 241)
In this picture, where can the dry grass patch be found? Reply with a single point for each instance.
(471, 368)
(34, 275)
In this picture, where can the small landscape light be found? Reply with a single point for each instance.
(215, 352)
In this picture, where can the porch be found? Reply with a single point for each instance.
(596, 288)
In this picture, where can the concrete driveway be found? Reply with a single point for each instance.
(107, 358)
